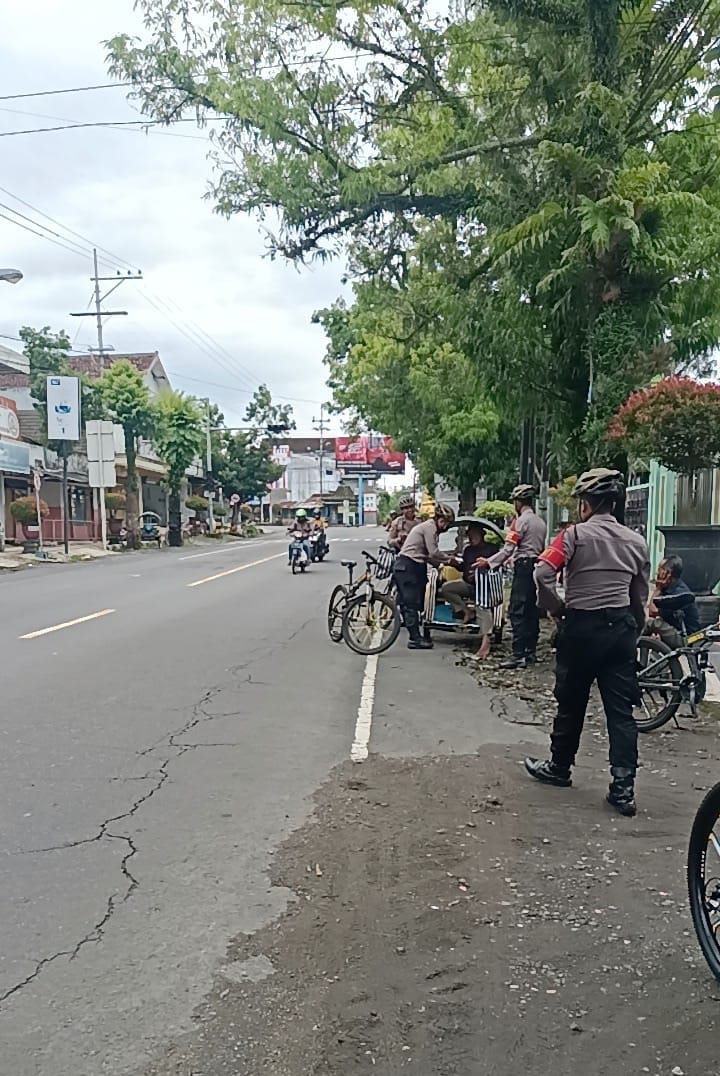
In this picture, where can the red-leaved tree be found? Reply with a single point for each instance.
(676, 422)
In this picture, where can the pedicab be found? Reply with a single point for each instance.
(438, 615)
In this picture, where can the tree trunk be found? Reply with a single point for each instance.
(174, 519)
(131, 492)
(468, 500)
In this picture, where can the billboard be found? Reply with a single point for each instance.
(63, 408)
(368, 452)
(9, 425)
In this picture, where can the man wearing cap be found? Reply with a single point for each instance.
(524, 543)
(410, 572)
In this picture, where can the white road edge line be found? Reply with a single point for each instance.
(239, 568)
(227, 548)
(66, 624)
(363, 725)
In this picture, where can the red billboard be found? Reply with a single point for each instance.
(368, 453)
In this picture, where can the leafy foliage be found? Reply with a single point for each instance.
(24, 510)
(178, 438)
(127, 402)
(47, 352)
(676, 422)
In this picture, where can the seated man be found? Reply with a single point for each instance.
(301, 524)
(666, 620)
(459, 591)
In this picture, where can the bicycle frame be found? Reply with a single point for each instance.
(696, 650)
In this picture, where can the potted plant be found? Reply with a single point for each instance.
(24, 511)
(677, 423)
(114, 502)
(199, 506)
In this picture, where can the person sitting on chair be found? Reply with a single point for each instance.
(457, 592)
(666, 618)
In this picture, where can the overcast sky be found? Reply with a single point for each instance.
(141, 197)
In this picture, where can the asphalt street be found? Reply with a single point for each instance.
(157, 743)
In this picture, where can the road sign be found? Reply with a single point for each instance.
(9, 425)
(235, 499)
(101, 454)
(63, 408)
(370, 502)
(37, 481)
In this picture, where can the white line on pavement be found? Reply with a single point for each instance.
(363, 725)
(66, 624)
(239, 568)
(225, 548)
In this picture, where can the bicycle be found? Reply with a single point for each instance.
(664, 685)
(703, 878)
(366, 617)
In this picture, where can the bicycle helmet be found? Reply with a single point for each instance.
(444, 511)
(599, 482)
(406, 501)
(301, 514)
(522, 493)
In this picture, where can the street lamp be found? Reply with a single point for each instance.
(11, 276)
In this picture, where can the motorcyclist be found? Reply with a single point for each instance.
(419, 549)
(318, 525)
(606, 572)
(404, 523)
(302, 524)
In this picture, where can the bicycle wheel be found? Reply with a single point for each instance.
(370, 626)
(335, 611)
(659, 676)
(703, 876)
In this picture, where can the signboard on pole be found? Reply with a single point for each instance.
(357, 455)
(9, 425)
(370, 502)
(101, 454)
(63, 408)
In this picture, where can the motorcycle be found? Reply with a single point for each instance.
(298, 554)
(318, 546)
(150, 527)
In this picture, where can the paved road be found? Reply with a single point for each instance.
(152, 758)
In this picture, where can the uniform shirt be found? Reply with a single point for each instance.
(399, 530)
(421, 545)
(607, 566)
(526, 538)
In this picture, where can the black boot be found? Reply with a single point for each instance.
(548, 772)
(412, 623)
(621, 794)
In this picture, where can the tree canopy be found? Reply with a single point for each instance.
(526, 191)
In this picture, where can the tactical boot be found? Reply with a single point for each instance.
(419, 644)
(621, 794)
(548, 772)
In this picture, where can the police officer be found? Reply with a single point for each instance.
(607, 574)
(404, 523)
(524, 543)
(410, 572)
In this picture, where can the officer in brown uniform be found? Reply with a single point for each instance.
(607, 575)
(410, 572)
(524, 543)
(404, 523)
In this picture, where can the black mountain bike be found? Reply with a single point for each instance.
(703, 876)
(663, 681)
(361, 613)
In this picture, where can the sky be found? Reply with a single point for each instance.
(223, 316)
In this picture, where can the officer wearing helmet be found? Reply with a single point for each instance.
(410, 572)
(607, 573)
(404, 523)
(524, 543)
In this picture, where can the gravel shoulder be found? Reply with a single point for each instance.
(452, 917)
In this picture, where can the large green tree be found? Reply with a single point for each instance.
(128, 403)
(178, 437)
(538, 176)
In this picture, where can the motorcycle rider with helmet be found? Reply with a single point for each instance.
(606, 576)
(302, 524)
(419, 549)
(318, 526)
(404, 523)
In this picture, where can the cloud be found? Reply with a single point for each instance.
(142, 198)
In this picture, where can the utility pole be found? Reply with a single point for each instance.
(99, 314)
(208, 467)
(321, 425)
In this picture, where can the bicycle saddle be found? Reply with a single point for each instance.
(348, 563)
